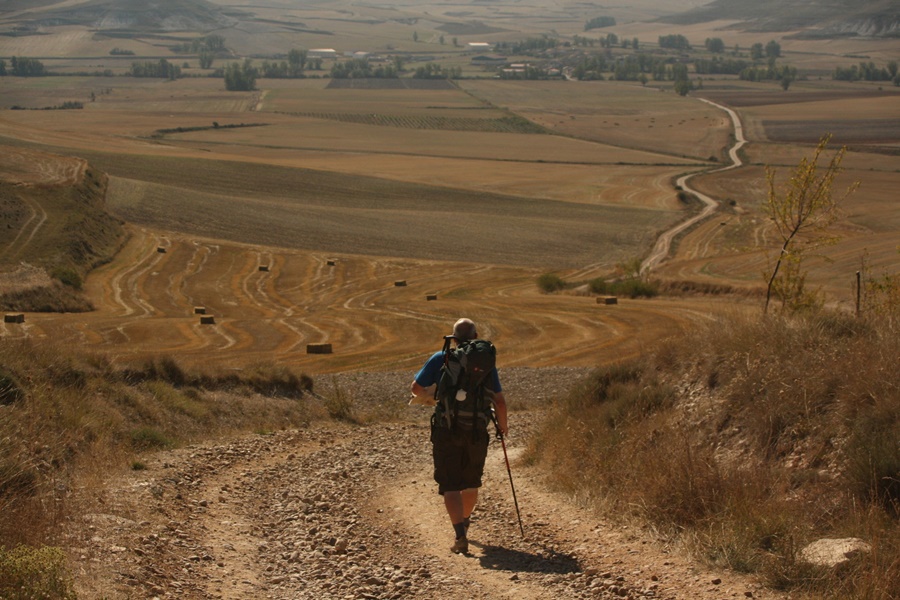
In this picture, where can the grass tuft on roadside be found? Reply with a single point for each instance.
(28, 573)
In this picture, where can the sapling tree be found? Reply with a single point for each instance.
(802, 209)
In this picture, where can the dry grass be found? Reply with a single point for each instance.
(61, 414)
(749, 443)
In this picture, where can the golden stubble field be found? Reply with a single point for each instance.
(268, 304)
(470, 216)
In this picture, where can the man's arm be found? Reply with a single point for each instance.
(500, 410)
(417, 390)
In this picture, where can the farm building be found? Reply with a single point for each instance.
(322, 53)
(478, 47)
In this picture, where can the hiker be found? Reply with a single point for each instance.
(459, 445)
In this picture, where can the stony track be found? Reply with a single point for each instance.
(347, 511)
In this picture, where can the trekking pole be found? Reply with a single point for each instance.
(509, 471)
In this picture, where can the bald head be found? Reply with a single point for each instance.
(464, 330)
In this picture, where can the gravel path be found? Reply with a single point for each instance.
(341, 511)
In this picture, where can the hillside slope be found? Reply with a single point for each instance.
(53, 229)
(150, 15)
(823, 17)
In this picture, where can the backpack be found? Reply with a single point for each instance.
(460, 393)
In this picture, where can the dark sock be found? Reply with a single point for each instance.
(460, 530)
(467, 522)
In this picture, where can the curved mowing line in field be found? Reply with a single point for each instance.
(178, 282)
(138, 278)
(253, 273)
(664, 242)
(207, 332)
(12, 333)
(116, 282)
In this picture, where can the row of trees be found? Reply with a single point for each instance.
(240, 77)
(868, 72)
(435, 71)
(529, 46)
(22, 67)
(674, 42)
(161, 69)
(211, 43)
(598, 22)
(782, 73)
(360, 68)
(297, 63)
(717, 46)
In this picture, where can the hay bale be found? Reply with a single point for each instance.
(207, 320)
(161, 249)
(318, 348)
(199, 310)
(332, 262)
(607, 300)
(430, 297)
(263, 267)
(400, 283)
(14, 318)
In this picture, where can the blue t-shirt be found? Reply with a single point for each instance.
(430, 373)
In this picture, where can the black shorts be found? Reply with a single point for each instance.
(458, 458)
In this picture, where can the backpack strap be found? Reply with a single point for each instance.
(445, 402)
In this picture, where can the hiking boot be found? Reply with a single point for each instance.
(460, 546)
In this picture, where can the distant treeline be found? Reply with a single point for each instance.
(210, 43)
(161, 132)
(23, 67)
(598, 22)
(868, 72)
(68, 105)
(161, 69)
(360, 68)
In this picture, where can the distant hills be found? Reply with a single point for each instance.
(812, 18)
(136, 15)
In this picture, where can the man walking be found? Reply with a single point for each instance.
(459, 444)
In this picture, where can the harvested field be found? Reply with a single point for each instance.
(390, 84)
(325, 211)
(612, 184)
(619, 114)
(317, 96)
(501, 125)
(798, 95)
(864, 117)
(133, 95)
(329, 136)
(146, 300)
(843, 132)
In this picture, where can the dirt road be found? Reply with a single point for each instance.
(341, 511)
(664, 241)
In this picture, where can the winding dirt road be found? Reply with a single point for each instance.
(664, 242)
